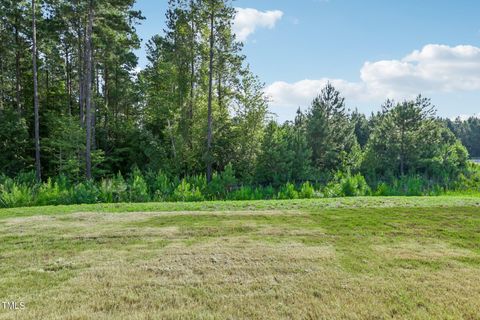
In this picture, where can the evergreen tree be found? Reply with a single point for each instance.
(330, 133)
(361, 127)
(275, 159)
(406, 139)
(301, 163)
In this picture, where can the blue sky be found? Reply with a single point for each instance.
(369, 49)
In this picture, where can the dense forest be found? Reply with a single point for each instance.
(76, 116)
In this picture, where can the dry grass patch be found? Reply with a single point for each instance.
(415, 250)
(325, 264)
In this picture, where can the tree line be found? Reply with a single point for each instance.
(73, 105)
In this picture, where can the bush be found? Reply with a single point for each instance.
(198, 182)
(346, 185)
(307, 191)
(222, 184)
(85, 192)
(160, 186)
(24, 191)
(243, 193)
(137, 188)
(113, 190)
(288, 192)
(469, 180)
(408, 186)
(52, 193)
(250, 193)
(185, 192)
(13, 195)
(27, 179)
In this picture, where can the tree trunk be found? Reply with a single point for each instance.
(88, 92)
(80, 76)
(94, 103)
(17, 66)
(2, 83)
(68, 79)
(219, 86)
(210, 93)
(106, 93)
(35, 96)
(192, 75)
(47, 86)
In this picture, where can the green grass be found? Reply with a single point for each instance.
(355, 258)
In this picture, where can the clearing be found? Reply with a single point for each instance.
(356, 258)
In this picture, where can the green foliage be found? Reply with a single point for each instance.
(13, 194)
(222, 183)
(246, 193)
(361, 127)
(275, 160)
(52, 193)
(84, 192)
(64, 146)
(307, 191)
(288, 191)
(408, 186)
(468, 131)
(329, 130)
(24, 191)
(159, 184)
(469, 179)
(137, 188)
(14, 155)
(113, 190)
(186, 192)
(151, 125)
(347, 185)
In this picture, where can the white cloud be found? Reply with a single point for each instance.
(433, 69)
(247, 20)
(299, 94)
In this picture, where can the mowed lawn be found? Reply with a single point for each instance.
(358, 258)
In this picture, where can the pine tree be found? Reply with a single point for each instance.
(329, 131)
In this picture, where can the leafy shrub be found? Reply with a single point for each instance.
(248, 193)
(288, 192)
(346, 185)
(198, 182)
(13, 195)
(160, 186)
(469, 180)
(186, 192)
(222, 183)
(85, 192)
(412, 186)
(268, 192)
(307, 191)
(113, 190)
(408, 186)
(52, 193)
(137, 188)
(27, 179)
(382, 190)
(243, 193)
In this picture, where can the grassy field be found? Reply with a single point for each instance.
(358, 258)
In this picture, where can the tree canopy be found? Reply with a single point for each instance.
(73, 104)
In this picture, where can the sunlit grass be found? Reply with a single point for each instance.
(363, 258)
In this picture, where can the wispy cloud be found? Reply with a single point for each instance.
(247, 20)
(432, 69)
